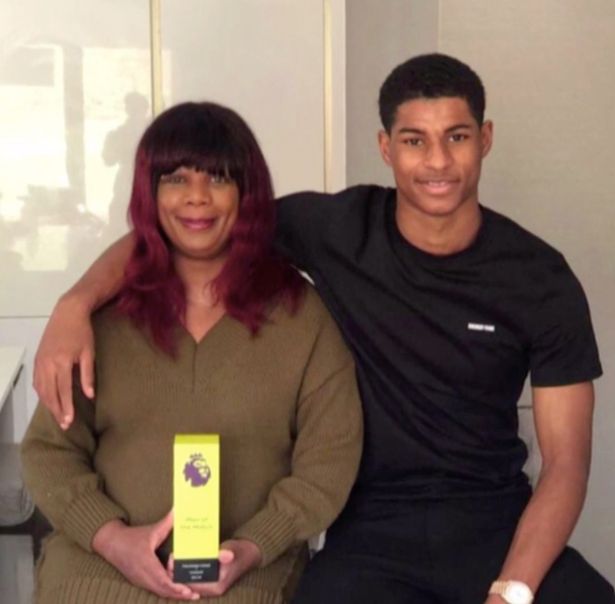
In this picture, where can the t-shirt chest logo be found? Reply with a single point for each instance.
(481, 327)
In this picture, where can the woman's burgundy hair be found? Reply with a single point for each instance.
(213, 138)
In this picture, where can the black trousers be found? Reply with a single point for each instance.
(434, 552)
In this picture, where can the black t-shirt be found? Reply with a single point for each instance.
(442, 344)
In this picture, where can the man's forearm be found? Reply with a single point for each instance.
(102, 280)
(68, 339)
(547, 522)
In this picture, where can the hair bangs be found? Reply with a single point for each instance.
(202, 144)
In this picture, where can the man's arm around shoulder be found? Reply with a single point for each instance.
(68, 337)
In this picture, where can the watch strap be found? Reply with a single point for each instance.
(498, 587)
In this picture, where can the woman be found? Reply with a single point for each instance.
(211, 333)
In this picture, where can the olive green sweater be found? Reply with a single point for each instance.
(285, 404)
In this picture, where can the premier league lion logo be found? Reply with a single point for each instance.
(197, 471)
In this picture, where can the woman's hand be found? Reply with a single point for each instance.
(67, 340)
(237, 557)
(132, 550)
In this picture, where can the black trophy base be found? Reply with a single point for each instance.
(196, 571)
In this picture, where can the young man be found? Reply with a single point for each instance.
(447, 306)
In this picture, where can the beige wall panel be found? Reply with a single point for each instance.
(74, 92)
(549, 70)
(263, 58)
(380, 35)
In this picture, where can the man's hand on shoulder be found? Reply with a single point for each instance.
(68, 339)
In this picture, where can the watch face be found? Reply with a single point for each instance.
(517, 593)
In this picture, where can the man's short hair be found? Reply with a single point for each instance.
(430, 76)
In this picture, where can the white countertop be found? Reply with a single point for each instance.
(11, 360)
